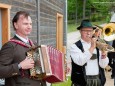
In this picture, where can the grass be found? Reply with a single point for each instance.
(71, 27)
(66, 83)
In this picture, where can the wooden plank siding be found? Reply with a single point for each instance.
(48, 18)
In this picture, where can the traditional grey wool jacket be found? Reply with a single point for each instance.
(11, 55)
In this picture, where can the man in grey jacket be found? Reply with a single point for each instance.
(14, 65)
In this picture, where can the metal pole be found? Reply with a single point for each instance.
(65, 20)
(38, 21)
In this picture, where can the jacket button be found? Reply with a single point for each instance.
(14, 74)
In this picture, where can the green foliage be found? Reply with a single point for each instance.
(102, 5)
(71, 9)
(108, 18)
(71, 6)
(96, 10)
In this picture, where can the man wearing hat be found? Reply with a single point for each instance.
(87, 61)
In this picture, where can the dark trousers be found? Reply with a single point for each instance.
(93, 80)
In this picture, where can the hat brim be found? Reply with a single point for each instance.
(78, 28)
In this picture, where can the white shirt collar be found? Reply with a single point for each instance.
(23, 39)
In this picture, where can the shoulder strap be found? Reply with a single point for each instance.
(79, 45)
(22, 43)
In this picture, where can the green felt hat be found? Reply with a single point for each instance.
(86, 23)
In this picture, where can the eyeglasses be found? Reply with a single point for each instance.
(87, 31)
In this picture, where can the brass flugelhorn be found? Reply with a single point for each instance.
(107, 34)
(103, 46)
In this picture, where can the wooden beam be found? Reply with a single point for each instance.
(5, 6)
(5, 15)
(59, 33)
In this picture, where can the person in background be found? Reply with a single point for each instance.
(87, 61)
(97, 33)
(113, 57)
(14, 64)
